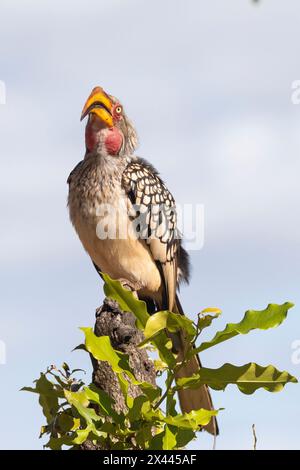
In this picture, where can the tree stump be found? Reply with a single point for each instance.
(124, 337)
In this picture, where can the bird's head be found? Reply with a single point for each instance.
(108, 129)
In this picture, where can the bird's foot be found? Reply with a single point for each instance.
(133, 287)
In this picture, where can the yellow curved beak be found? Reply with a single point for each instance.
(100, 104)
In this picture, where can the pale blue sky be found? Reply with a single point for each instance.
(208, 86)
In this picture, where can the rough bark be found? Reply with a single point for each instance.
(124, 336)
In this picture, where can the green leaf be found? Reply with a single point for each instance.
(164, 346)
(67, 423)
(48, 396)
(29, 389)
(171, 404)
(205, 319)
(167, 320)
(81, 403)
(144, 435)
(151, 392)
(66, 369)
(169, 439)
(248, 378)
(134, 413)
(184, 437)
(176, 321)
(56, 443)
(271, 317)
(217, 311)
(82, 435)
(156, 323)
(103, 400)
(80, 347)
(124, 386)
(102, 350)
(109, 428)
(155, 332)
(156, 443)
(126, 300)
(150, 414)
(44, 430)
(193, 420)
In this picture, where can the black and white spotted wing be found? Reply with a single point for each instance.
(154, 213)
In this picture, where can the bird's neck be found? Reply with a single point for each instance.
(102, 139)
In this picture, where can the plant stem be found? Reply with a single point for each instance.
(164, 396)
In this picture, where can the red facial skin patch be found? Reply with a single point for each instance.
(113, 138)
(113, 141)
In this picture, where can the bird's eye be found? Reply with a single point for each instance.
(118, 109)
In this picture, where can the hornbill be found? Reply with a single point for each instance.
(153, 263)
